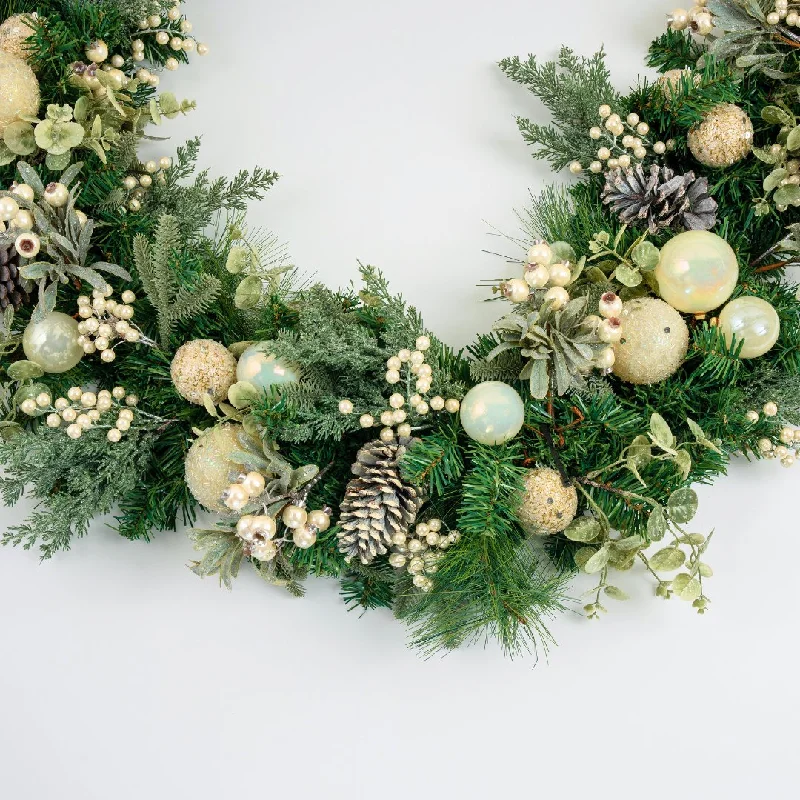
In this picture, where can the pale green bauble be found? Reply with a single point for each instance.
(753, 320)
(492, 412)
(654, 341)
(257, 365)
(53, 343)
(19, 90)
(209, 470)
(697, 271)
(548, 505)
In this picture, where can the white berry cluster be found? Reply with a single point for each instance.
(414, 366)
(608, 328)
(20, 220)
(540, 271)
(420, 551)
(136, 185)
(698, 19)
(173, 31)
(82, 409)
(790, 437)
(105, 321)
(782, 12)
(622, 142)
(258, 531)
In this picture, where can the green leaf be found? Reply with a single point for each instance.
(209, 404)
(19, 138)
(248, 293)
(58, 162)
(24, 371)
(615, 593)
(793, 139)
(705, 570)
(244, 394)
(667, 560)
(563, 252)
(598, 560)
(773, 180)
(701, 437)
(683, 461)
(628, 544)
(787, 195)
(646, 256)
(168, 105)
(776, 116)
(628, 276)
(656, 524)
(686, 587)
(582, 556)
(682, 505)
(661, 434)
(583, 529)
(31, 177)
(154, 112)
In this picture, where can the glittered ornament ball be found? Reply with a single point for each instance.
(654, 341)
(723, 137)
(209, 469)
(19, 90)
(53, 343)
(14, 33)
(548, 506)
(697, 271)
(203, 367)
(492, 412)
(753, 321)
(261, 368)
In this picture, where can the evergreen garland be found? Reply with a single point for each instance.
(625, 453)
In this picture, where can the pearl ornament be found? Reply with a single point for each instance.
(56, 195)
(263, 369)
(53, 343)
(537, 276)
(752, 416)
(319, 520)
(754, 323)
(345, 407)
(770, 409)
(74, 431)
(366, 420)
(540, 253)
(558, 296)
(392, 376)
(452, 405)
(560, 274)
(404, 430)
(387, 435)
(492, 413)
(437, 403)
(516, 290)
(610, 305)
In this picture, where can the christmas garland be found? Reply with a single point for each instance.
(158, 355)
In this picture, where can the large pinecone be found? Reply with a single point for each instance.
(13, 290)
(660, 198)
(377, 504)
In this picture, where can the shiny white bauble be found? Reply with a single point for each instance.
(753, 320)
(492, 412)
(53, 343)
(261, 368)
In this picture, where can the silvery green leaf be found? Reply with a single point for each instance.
(777, 116)
(773, 180)
(628, 276)
(764, 154)
(704, 570)
(628, 544)
(700, 436)
(561, 372)
(595, 275)
(113, 269)
(243, 394)
(682, 505)
(501, 348)
(646, 256)
(95, 279)
(35, 270)
(208, 402)
(24, 371)
(583, 529)
(155, 114)
(563, 252)
(577, 269)
(56, 162)
(661, 434)
(598, 560)
(615, 593)
(667, 560)
(49, 297)
(302, 475)
(31, 177)
(539, 380)
(793, 139)
(683, 461)
(656, 524)
(19, 138)
(573, 312)
(686, 587)
(70, 173)
(248, 293)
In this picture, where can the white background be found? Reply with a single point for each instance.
(124, 676)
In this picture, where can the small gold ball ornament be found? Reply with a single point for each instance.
(209, 469)
(14, 33)
(202, 367)
(548, 506)
(19, 90)
(654, 341)
(723, 137)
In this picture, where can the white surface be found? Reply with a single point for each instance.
(124, 676)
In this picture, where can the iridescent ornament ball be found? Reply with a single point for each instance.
(53, 343)
(697, 271)
(752, 320)
(19, 90)
(257, 365)
(548, 505)
(209, 470)
(655, 339)
(492, 412)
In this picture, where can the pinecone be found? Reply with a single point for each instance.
(661, 198)
(13, 291)
(377, 504)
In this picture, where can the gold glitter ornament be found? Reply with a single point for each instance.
(654, 341)
(202, 367)
(723, 137)
(14, 33)
(208, 465)
(547, 506)
(19, 90)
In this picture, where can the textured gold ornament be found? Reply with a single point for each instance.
(203, 367)
(547, 506)
(209, 469)
(654, 341)
(723, 137)
(13, 35)
(19, 90)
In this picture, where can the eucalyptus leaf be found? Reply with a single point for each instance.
(646, 256)
(683, 461)
(777, 116)
(24, 371)
(661, 434)
(682, 505)
(19, 138)
(563, 252)
(582, 556)
(628, 544)
(615, 593)
(248, 293)
(597, 561)
(628, 276)
(583, 529)
(57, 162)
(656, 524)
(773, 180)
(243, 394)
(787, 195)
(793, 139)
(686, 587)
(667, 560)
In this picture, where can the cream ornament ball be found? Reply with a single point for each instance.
(548, 506)
(261, 368)
(202, 367)
(492, 412)
(53, 343)
(208, 465)
(697, 271)
(654, 343)
(14, 33)
(19, 90)
(723, 137)
(753, 321)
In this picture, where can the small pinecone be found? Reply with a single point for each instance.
(661, 198)
(12, 286)
(377, 504)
